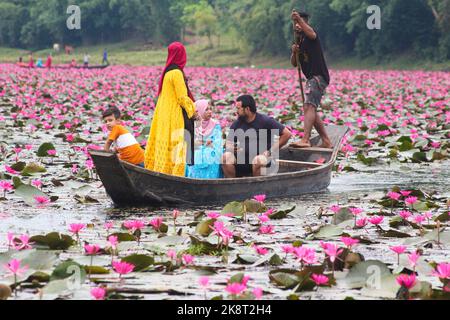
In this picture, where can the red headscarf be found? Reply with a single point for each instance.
(177, 56)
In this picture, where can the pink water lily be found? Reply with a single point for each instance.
(37, 183)
(6, 186)
(187, 259)
(376, 220)
(335, 208)
(287, 248)
(260, 198)
(356, 211)
(14, 267)
(398, 249)
(320, 279)
(405, 193)
(41, 200)
(203, 281)
(51, 153)
(407, 281)
(267, 229)
(419, 219)
(122, 268)
(263, 218)
(113, 241)
(108, 226)
(134, 225)
(305, 255)
(213, 215)
(98, 293)
(260, 250)
(172, 254)
(413, 259)
(405, 214)
(411, 201)
(156, 223)
(394, 195)
(257, 293)
(332, 251)
(442, 271)
(91, 250)
(24, 243)
(75, 228)
(361, 223)
(235, 289)
(349, 242)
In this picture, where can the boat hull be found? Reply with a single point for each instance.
(130, 185)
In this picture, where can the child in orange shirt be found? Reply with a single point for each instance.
(126, 144)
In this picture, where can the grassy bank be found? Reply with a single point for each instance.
(200, 54)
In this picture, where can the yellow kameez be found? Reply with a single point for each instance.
(166, 148)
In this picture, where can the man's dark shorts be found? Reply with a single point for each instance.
(315, 90)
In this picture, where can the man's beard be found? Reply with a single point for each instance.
(242, 118)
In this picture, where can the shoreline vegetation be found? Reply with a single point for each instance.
(227, 55)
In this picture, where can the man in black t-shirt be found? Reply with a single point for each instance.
(314, 67)
(250, 143)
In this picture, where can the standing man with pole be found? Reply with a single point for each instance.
(307, 55)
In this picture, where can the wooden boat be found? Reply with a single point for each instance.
(301, 171)
(92, 67)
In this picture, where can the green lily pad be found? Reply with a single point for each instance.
(68, 269)
(365, 273)
(281, 214)
(254, 206)
(344, 214)
(28, 193)
(53, 241)
(32, 169)
(328, 231)
(37, 259)
(236, 208)
(204, 227)
(139, 261)
(44, 148)
(124, 237)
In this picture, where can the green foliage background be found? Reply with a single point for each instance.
(419, 27)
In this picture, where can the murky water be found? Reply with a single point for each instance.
(346, 189)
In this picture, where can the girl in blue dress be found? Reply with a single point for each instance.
(209, 145)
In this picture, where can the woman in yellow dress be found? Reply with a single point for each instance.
(170, 144)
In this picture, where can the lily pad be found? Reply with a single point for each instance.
(124, 237)
(254, 206)
(344, 214)
(32, 169)
(281, 214)
(44, 148)
(204, 228)
(328, 231)
(139, 261)
(365, 273)
(236, 208)
(53, 241)
(28, 193)
(37, 260)
(68, 269)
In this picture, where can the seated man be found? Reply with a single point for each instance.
(250, 143)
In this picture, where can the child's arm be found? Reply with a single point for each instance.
(108, 145)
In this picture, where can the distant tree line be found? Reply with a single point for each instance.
(421, 27)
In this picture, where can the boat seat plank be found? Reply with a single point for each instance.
(300, 163)
(314, 149)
